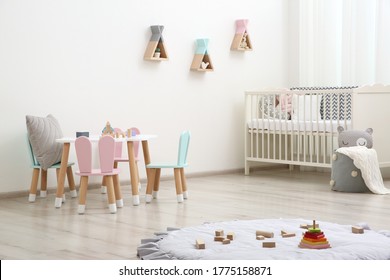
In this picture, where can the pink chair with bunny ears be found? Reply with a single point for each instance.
(106, 157)
(120, 158)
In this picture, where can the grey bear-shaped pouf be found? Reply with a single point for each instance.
(345, 176)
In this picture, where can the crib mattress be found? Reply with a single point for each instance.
(295, 125)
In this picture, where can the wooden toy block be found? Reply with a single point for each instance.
(283, 232)
(219, 238)
(260, 237)
(284, 235)
(304, 226)
(219, 232)
(356, 229)
(230, 236)
(200, 244)
(226, 241)
(267, 234)
(269, 244)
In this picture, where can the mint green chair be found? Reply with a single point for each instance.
(35, 176)
(154, 171)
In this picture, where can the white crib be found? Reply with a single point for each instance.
(299, 126)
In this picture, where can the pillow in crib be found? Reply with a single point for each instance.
(336, 106)
(306, 107)
(269, 109)
(42, 133)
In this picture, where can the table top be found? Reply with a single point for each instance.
(95, 138)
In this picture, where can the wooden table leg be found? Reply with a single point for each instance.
(133, 172)
(61, 175)
(145, 149)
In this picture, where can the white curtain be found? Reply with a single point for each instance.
(343, 42)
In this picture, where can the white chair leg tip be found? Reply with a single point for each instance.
(185, 195)
(148, 198)
(139, 186)
(58, 202)
(119, 203)
(154, 194)
(103, 190)
(81, 209)
(112, 208)
(31, 197)
(43, 193)
(180, 198)
(73, 193)
(135, 200)
(63, 198)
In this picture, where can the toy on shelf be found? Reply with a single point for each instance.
(314, 238)
(157, 53)
(108, 130)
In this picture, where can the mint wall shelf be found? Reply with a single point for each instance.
(202, 61)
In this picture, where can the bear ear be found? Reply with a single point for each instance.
(369, 130)
(340, 129)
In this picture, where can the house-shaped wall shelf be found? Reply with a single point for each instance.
(156, 49)
(202, 61)
(241, 40)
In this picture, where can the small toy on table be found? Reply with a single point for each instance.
(108, 130)
(314, 238)
(131, 132)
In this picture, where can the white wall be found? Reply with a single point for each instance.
(82, 61)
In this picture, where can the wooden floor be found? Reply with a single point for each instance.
(39, 231)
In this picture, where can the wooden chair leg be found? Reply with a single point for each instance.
(150, 184)
(111, 194)
(179, 191)
(103, 189)
(83, 194)
(156, 185)
(72, 185)
(43, 192)
(34, 185)
(63, 193)
(117, 191)
(138, 178)
(183, 183)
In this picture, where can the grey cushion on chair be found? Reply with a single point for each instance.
(42, 133)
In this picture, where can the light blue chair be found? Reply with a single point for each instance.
(35, 176)
(154, 171)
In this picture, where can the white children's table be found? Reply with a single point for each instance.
(143, 138)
